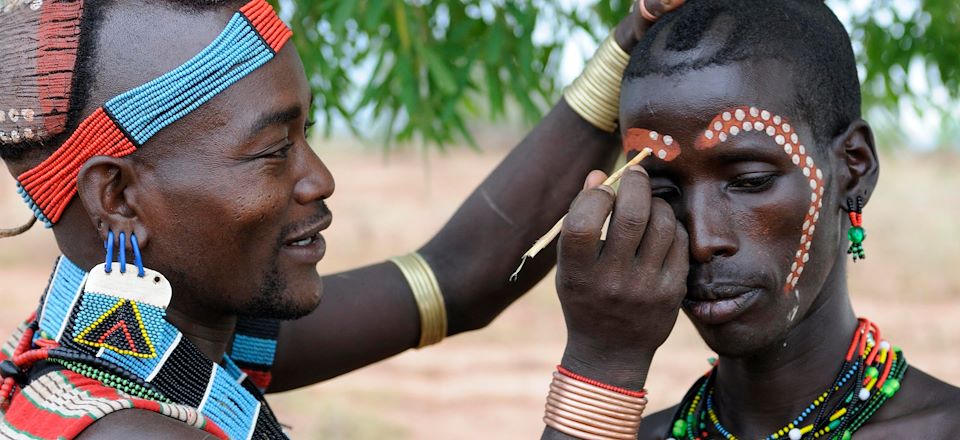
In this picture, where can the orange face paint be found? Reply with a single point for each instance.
(664, 147)
(738, 120)
(746, 119)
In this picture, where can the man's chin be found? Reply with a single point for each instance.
(294, 301)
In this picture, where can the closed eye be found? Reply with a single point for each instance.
(753, 182)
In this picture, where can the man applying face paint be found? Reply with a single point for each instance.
(763, 99)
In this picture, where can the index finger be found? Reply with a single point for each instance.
(580, 235)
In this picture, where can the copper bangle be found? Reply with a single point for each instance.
(614, 403)
(572, 432)
(555, 389)
(621, 415)
(597, 390)
(583, 428)
(588, 418)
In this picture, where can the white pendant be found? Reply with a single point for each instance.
(153, 288)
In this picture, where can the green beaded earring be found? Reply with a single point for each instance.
(856, 234)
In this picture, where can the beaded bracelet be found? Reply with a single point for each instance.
(426, 291)
(595, 94)
(592, 410)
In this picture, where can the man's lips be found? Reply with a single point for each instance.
(307, 246)
(303, 236)
(718, 303)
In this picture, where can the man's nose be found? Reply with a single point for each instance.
(710, 224)
(316, 182)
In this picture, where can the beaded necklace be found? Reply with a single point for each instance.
(177, 373)
(870, 375)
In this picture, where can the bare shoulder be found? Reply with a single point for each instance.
(925, 407)
(141, 424)
(656, 425)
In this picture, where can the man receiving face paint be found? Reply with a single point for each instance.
(164, 143)
(746, 224)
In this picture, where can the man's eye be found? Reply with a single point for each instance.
(280, 153)
(754, 182)
(665, 192)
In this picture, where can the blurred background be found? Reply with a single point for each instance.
(418, 100)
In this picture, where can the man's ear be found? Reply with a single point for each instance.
(108, 188)
(857, 164)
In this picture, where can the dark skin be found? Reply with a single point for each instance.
(513, 206)
(742, 205)
(219, 198)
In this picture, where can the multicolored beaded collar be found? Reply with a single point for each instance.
(252, 37)
(870, 375)
(130, 343)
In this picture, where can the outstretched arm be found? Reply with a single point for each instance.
(369, 314)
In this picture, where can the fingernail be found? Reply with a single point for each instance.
(638, 169)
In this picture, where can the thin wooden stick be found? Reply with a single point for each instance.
(547, 238)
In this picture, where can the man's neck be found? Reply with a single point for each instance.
(210, 336)
(762, 393)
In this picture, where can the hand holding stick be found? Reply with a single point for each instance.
(547, 238)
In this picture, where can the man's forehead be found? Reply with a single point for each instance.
(138, 41)
(689, 100)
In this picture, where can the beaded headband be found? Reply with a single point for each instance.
(252, 37)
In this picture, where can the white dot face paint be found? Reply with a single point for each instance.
(747, 119)
(654, 135)
(668, 140)
(662, 154)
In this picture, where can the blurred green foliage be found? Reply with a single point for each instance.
(421, 69)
